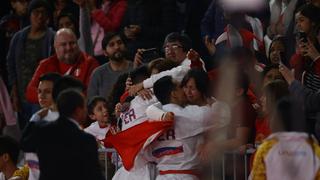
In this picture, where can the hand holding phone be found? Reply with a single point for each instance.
(149, 55)
(282, 58)
(302, 36)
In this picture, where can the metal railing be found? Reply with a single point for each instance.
(219, 169)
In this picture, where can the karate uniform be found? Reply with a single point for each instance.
(176, 151)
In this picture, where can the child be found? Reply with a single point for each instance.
(9, 152)
(98, 112)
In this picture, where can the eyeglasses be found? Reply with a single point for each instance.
(172, 47)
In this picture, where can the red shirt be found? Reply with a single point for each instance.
(81, 70)
(111, 21)
(262, 129)
(299, 64)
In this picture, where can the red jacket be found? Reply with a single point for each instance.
(299, 64)
(82, 71)
(111, 21)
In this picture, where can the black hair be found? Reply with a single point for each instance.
(34, 4)
(107, 37)
(274, 91)
(311, 12)
(68, 101)
(10, 146)
(201, 80)
(93, 101)
(66, 82)
(162, 89)
(269, 68)
(139, 74)
(162, 64)
(289, 114)
(278, 38)
(73, 19)
(51, 76)
(183, 39)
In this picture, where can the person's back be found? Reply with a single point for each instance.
(289, 152)
(71, 150)
(289, 155)
(64, 150)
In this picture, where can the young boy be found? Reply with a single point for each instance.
(9, 152)
(98, 111)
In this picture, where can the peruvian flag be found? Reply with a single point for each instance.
(130, 142)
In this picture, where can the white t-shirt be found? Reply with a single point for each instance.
(292, 157)
(95, 130)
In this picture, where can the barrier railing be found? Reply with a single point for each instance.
(219, 169)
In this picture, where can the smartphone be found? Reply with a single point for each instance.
(150, 54)
(283, 58)
(302, 36)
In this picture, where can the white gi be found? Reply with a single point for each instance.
(176, 152)
(135, 115)
(176, 73)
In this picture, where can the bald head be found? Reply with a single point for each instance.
(66, 46)
(64, 31)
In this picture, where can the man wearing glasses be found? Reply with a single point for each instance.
(177, 48)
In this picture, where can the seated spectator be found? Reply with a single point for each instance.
(104, 77)
(289, 152)
(98, 112)
(69, 60)
(98, 18)
(9, 153)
